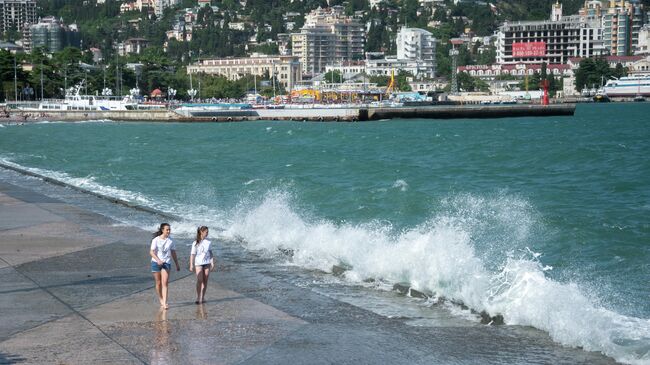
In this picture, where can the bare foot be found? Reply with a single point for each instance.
(166, 306)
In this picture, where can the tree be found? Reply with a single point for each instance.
(592, 72)
(334, 77)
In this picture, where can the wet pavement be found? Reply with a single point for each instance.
(76, 289)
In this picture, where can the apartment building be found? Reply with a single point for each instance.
(328, 37)
(16, 14)
(419, 46)
(287, 69)
(622, 23)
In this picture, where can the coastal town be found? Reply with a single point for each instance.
(157, 53)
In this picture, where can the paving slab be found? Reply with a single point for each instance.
(23, 305)
(25, 244)
(227, 329)
(70, 340)
(16, 215)
(93, 276)
(25, 195)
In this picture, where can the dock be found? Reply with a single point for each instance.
(309, 113)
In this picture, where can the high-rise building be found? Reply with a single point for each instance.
(550, 41)
(621, 25)
(16, 14)
(52, 35)
(328, 37)
(414, 44)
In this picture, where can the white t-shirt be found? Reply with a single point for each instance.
(163, 248)
(202, 252)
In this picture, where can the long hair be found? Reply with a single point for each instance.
(198, 234)
(160, 229)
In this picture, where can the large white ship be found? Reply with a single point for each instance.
(627, 86)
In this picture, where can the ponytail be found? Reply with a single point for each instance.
(198, 234)
(160, 229)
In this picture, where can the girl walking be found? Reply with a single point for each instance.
(201, 262)
(162, 252)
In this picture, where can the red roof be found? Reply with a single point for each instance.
(156, 92)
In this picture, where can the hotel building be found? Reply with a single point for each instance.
(552, 41)
(287, 69)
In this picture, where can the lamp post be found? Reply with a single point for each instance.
(15, 80)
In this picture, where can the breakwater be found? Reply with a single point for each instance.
(311, 113)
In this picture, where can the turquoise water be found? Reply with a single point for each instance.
(543, 220)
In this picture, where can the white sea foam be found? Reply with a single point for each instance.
(400, 184)
(87, 183)
(441, 256)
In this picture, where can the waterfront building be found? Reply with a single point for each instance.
(287, 69)
(52, 35)
(16, 14)
(621, 25)
(414, 44)
(521, 70)
(552, 41)
(328, 37)
(392, 65)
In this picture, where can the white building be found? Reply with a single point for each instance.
(287, 69)
(159, 6)
(414, 44)
(552, 41)
(328, 37)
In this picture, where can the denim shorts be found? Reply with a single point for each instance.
(156, 268)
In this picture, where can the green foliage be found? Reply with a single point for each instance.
(333, 77)
(266, 48)
(592, 72)
(471, 84)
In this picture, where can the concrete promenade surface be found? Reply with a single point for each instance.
(75, 288)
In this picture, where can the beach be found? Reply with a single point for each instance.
(77, 289)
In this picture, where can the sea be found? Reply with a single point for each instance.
(544, 221)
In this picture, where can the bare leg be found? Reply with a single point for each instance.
(199, 284)
(206, 275)
(164, 276)
(158, 287)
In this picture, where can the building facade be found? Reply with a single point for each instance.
(51, 35)
(621, 26)
(287, 69)
(414, 44)
(552, 41)
(16, 14)
(328, 37)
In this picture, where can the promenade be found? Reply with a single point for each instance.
(76, 289)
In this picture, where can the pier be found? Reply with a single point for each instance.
(308, 113)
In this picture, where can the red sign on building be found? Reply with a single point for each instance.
(531, 49)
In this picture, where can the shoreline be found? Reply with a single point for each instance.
(105, 312)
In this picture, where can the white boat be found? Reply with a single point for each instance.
(74, 101)
(215, 110)
(627, 86)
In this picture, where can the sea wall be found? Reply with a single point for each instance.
(313, 114)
